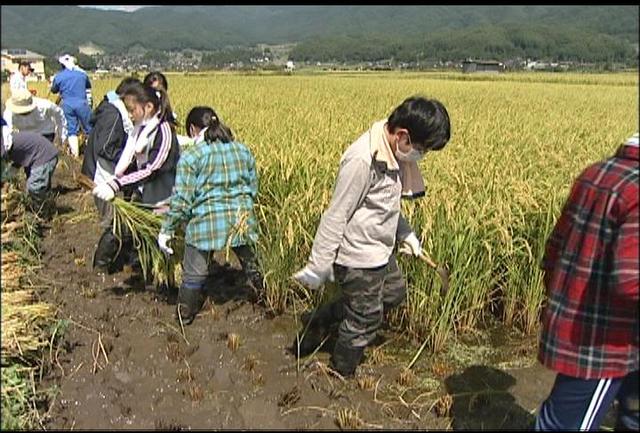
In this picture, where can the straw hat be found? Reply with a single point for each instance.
(21, 102)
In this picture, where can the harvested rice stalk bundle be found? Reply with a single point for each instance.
(24, 324)
(144, 226)
(10, 230)
(11, 276)
(12, 202)
(12, 271)
(10, 258)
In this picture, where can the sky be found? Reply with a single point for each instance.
(116, 8)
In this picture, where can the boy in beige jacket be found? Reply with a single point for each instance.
(358, 232)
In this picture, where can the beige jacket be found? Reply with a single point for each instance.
(360, 227)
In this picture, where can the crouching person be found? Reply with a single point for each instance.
(216, 185)
(358, 232)
(38, 157)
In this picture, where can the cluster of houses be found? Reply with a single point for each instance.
(113, 63)
(12, 57)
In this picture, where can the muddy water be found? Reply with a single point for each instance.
(124, 362)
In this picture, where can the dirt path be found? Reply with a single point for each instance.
(124, 363)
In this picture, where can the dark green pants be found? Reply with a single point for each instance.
(366, 295)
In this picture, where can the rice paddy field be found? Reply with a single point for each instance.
(493, 193)
(518, 141)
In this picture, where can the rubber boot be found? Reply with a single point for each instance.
(129, 253)
(190, 302)
(316, 326)
(74, 147)
(346, 358)
(106, 251)
(257, 291)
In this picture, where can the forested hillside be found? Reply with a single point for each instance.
(588, 33)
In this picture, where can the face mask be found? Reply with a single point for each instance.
(411, 156)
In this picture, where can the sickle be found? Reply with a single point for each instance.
(441, 269)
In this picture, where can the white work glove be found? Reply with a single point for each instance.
(310, 279)
(163, 240)
(411, 245)
(104, 191)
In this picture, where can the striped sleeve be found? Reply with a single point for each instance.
(153, 165)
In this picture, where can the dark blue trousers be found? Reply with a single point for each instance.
(580, 404)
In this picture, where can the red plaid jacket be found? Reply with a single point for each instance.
(592, 274)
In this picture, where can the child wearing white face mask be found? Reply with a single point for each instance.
(358, 232)
(150, 156)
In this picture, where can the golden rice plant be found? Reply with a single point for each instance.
(23, 324)
(518, 141)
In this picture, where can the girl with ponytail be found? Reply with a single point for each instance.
(215, 190)
(148, 161)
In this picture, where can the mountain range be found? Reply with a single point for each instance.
(52, 30)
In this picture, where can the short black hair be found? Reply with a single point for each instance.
(126, 83)
(427, 121)
(25, 63)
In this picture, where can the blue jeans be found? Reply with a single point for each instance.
(39, 179)
(581, 404)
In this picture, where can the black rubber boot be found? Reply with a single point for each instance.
(308, 340)
(105, 254)
(132, 259)
(316, 326)
(346, 358)
(167, 293)
(189, 304)
(257, 292)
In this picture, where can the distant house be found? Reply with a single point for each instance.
(492, 66)
(12, 57)
(90, 49)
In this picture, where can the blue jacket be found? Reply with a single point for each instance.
(72, 85)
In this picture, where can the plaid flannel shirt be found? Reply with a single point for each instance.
(591, 263)
(215, 188)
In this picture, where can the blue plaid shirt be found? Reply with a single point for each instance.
(216, 185)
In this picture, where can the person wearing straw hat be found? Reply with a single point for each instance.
(357, 234)
(27, 113)
(18, 80)
(74, 86)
